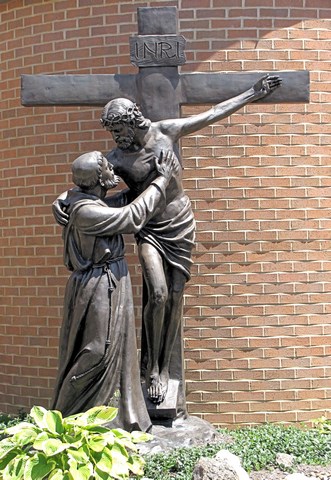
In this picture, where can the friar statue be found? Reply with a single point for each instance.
(98, 353)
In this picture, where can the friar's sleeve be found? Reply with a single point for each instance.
(120, 199)
(105, 221)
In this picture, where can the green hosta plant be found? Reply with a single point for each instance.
(79, 447)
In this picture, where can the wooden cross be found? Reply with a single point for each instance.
(158, 87)
(160, 90)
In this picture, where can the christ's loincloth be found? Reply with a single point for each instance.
(173, 238)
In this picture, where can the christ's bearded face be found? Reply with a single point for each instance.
(123, 135)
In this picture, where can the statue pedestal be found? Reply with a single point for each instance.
(183, 432)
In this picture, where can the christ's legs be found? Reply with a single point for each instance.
(162, 317)
(154, 276)
(176, 281)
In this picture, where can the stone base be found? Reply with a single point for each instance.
(184, 432)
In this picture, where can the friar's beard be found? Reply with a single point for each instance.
(109, 184)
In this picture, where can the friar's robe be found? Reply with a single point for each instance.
(98, 352)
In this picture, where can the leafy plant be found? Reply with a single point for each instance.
(258, 446)
(78, 447)
(323, 424)
(9, 421)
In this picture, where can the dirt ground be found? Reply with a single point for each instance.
(313, 471)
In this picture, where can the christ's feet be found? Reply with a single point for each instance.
(164, 379)
(157, 388)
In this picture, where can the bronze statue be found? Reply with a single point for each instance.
(165, 243)
(98, 353)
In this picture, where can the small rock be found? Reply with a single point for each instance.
(228, 457)
(285, 460)
(224, 466)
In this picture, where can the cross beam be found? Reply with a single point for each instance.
(189, 88)
(158, 87)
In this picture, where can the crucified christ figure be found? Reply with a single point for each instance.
(165, 243)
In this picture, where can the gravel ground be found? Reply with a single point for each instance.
(311, 471)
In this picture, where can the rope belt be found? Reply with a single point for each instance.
(107, 269)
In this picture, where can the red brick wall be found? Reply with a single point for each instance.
(257, 344)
